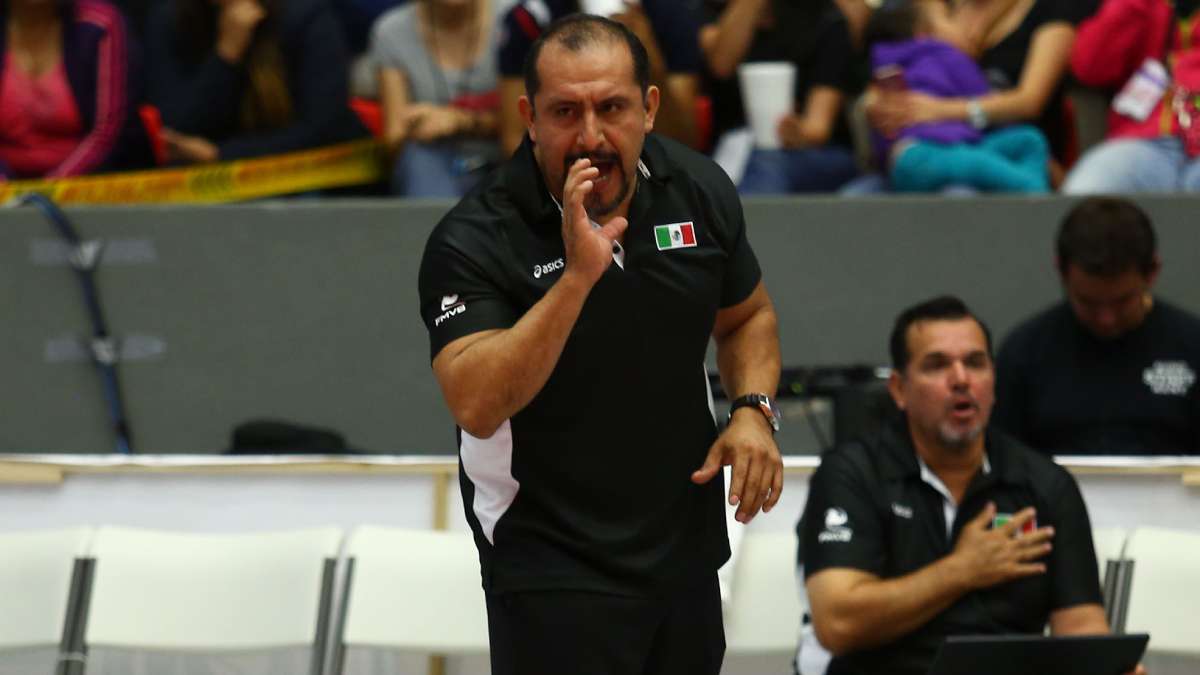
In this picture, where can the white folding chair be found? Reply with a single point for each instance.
(159, 598)
(764, 613)
(1165, 591)
(413, 591)
(37, 584)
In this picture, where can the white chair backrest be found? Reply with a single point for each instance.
(416, 590)
(35, 579)
(1165, 593)
(764, 612)
(1110, 545)
(171, 590)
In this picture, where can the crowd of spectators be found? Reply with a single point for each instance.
(889, 95)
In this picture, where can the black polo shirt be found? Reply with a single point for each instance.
(870, 509)
(588, 487)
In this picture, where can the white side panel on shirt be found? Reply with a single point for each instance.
(488, 463)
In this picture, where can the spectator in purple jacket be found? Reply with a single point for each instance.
(244, 78)
(913, 48)
(68, 87)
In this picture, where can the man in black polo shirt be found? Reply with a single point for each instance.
(570, 300)
(939, 525)
(1111, 370)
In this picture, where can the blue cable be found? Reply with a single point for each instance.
(106, 367)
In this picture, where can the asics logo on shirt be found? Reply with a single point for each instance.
(552, 266)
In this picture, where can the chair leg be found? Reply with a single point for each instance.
(321, 639)
(72, 653)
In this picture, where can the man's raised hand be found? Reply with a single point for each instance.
(589, 250)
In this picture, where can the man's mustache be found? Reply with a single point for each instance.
(593, 157)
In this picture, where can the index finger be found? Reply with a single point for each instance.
(577, 166)
(575, 188)
(737, 481)
(754, 490)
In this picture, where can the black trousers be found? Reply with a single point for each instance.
(587, 633)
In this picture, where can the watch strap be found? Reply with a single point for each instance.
(760, 402)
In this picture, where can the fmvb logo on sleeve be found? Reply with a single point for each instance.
(451, 306)
(675, 235)
(837, 527)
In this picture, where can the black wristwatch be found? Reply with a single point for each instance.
(763, 403)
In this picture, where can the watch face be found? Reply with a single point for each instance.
(774, 408)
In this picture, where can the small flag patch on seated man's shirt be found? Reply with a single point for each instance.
(1001, 518)
(675, 235)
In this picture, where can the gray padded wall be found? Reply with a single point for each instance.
(307, 310)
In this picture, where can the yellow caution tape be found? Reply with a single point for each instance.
(354, 163)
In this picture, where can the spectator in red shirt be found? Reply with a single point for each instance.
(1150, 50)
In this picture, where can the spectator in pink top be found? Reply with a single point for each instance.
(67, 90)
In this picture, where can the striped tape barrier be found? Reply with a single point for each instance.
(354, 163)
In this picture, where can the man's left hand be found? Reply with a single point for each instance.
(747, 445)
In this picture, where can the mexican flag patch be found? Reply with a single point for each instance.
(675, 235)
(1001, 518)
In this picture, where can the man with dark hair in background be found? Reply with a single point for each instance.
(667, 28)
(1110, 370)
(570, 300)
(939, 525)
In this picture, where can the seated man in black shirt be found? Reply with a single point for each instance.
(1110, 370)
(940, 525)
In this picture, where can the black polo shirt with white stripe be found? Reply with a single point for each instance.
(588, 487)
(873, 506)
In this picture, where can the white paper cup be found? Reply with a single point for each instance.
(602, 7)
(767, 94)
